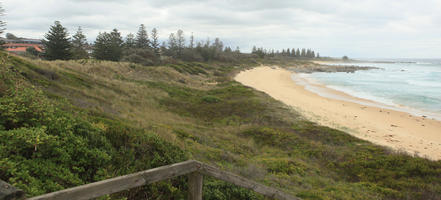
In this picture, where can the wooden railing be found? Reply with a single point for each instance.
(194, 169)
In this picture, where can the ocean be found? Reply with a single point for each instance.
(413, 86)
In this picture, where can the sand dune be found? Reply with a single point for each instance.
(398, 130)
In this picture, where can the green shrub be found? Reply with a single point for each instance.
(210, 99)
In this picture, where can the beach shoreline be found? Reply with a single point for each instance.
(398, 130)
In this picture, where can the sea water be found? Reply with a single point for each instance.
(413, 86)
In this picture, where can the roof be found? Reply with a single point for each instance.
(15, 47)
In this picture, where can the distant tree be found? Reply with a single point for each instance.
(79, 44)
(237, 50)
(191, 45)
(130, 41)
(100, 47)
(312, 54)
(303, 54)
(218, 44)
(108, 46)
(298, 53)
(57, 43)
(155, 41)
(172, 45)
(288, 52)
(2, 23)
(318, 55)
(180, 42)
(254, 50)
(308, 53)
(345, 58)
(142, 38)
(11, 36)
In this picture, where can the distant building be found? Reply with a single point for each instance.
(19, 45)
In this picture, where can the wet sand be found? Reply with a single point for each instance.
(401, 131)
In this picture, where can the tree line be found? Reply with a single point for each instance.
(143, 48)
(296, 53)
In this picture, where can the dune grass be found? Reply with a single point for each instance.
(199, 109)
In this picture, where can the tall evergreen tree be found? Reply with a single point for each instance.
(298, 52)
(254, 50)
(130, 41)
(2, 23)
(218, 44)
(237, 50)
(57, 43)
(142, 38)
(303, 54)
(191, 41)
(180, 39)
(172, 45)
(108, 46)
(79, 45)
(155, 41)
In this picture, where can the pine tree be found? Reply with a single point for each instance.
(155, 41)
(116, 44)
(172, 45)
(218, 44)
(237, 50)
(191, 41)
(298, 53)
(108, 46)
(254, 50)
(130, 41)
(303, 54)
(180, 42)
(142, 38)
(2, 23)
(56, 43)
(79, 44)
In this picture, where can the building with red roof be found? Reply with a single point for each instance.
(19, 45)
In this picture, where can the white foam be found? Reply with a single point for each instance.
(366, 99)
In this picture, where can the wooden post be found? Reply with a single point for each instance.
(9, 192)
(195, 180)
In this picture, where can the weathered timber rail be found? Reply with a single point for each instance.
(195, 171)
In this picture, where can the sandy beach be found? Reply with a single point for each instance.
(401, 131)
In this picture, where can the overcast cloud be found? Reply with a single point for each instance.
(357, 28)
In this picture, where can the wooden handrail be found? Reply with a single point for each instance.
(194, 169)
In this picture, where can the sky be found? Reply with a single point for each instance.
(356, 28)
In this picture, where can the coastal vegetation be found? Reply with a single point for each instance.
(67, 123)
(145, 48)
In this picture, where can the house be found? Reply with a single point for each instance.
(19, 45)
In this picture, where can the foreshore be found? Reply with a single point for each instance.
(400, 131)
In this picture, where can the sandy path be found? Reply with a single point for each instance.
(398, 130)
